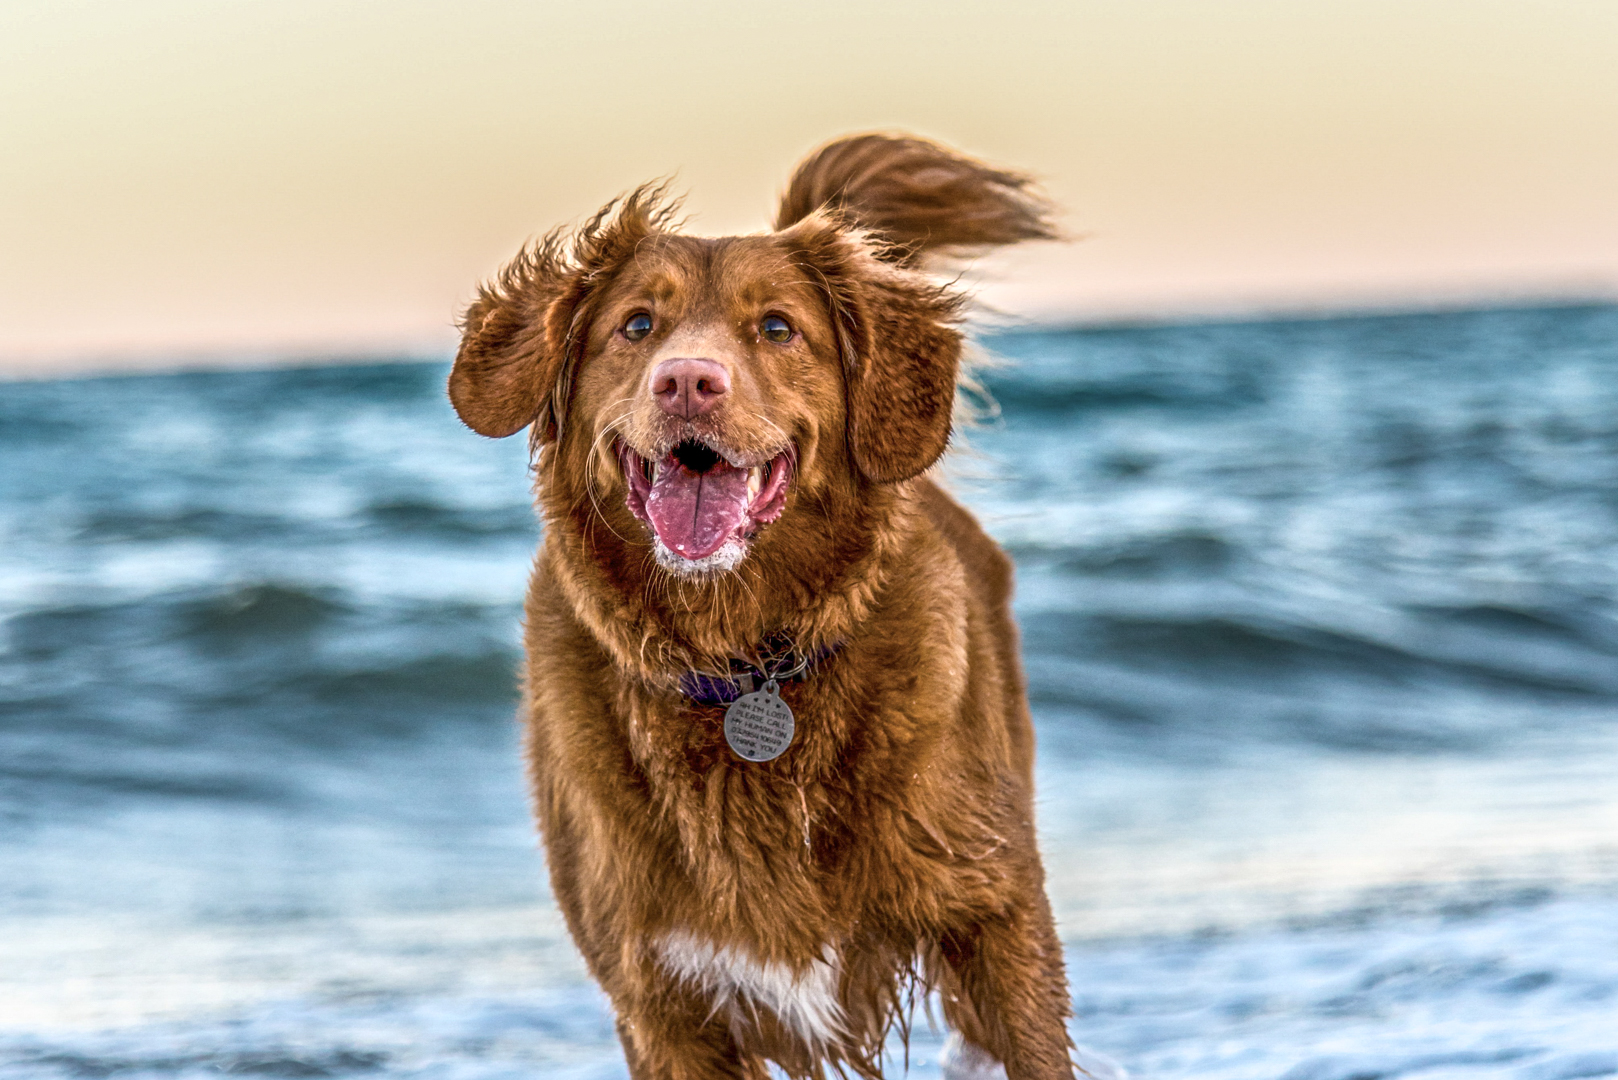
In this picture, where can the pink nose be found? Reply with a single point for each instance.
(688, 387)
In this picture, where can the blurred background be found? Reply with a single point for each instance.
(1307, 452)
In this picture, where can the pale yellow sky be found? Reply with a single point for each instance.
(184, 181)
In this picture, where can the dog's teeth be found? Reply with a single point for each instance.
(755, 480)
(657, 471)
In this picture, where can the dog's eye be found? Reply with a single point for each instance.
(776, 329)
(638, 326)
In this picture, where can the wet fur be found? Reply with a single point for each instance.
(891, 849)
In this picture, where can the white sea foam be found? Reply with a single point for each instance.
(1518, 988)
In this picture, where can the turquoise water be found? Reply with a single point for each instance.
(1321, 623)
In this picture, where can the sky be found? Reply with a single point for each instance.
(187, 182)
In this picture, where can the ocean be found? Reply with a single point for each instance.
(1321, 626)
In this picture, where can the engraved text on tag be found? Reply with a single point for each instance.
(758, 726)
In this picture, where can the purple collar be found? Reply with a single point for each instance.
(782, 661)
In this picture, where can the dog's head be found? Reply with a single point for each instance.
(698, 391)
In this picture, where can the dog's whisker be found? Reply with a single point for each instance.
(593, 466)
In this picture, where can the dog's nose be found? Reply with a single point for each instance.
(688, 387)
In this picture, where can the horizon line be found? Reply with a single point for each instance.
(105, 364)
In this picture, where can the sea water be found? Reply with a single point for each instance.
(1321, 628)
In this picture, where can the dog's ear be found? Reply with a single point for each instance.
(505, 368)
(522, 336)
(899, 345)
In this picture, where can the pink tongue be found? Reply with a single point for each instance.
(695, 513)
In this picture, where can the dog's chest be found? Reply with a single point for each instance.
(805, 1000)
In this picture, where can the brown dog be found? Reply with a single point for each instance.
(732, 437)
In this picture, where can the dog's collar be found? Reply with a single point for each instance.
(781, 660)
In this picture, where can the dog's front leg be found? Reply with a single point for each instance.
(1006, 992)
(668, 1034)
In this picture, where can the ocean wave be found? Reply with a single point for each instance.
(1232, 648)
(422, 516)
(1034, 398)
(289, 1062)
(425, 682)
(123, 526)
(168, 695)
(254, 609)
(1175, 553)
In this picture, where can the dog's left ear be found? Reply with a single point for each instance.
(899, 344)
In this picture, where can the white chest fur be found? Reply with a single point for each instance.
(804, 1001)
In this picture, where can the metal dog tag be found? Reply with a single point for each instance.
(759, 726)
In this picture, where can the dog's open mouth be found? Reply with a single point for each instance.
(696, 500)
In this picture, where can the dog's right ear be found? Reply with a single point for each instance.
(522, 336)
(507, 367)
